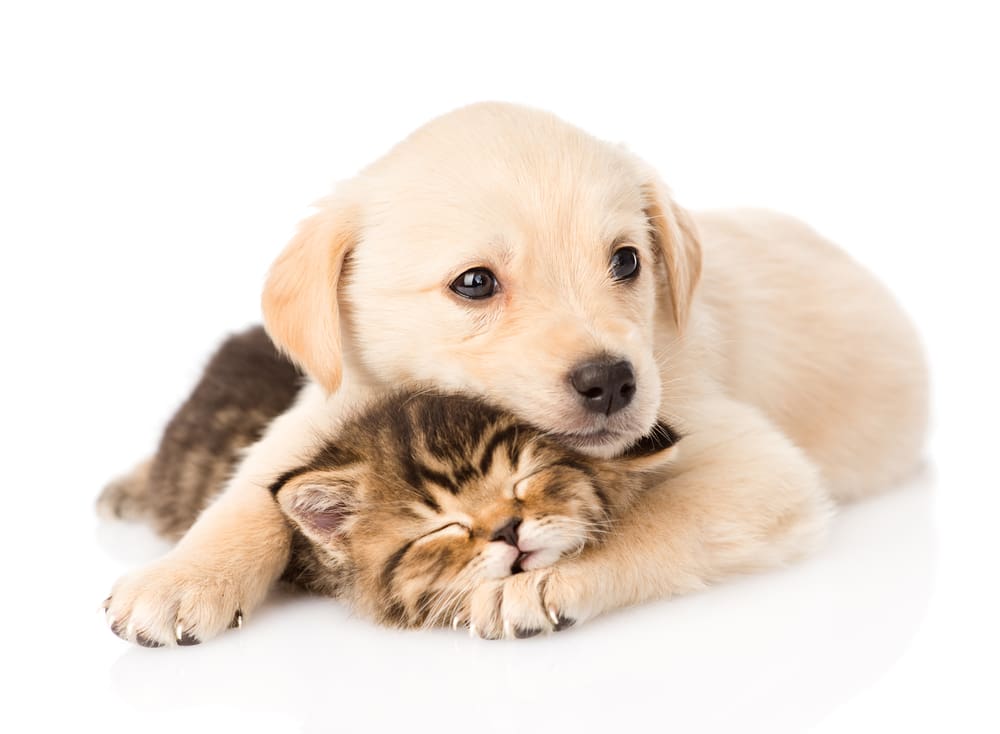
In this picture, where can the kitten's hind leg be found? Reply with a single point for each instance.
(127, 497)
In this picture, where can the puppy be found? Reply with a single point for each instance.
(502, 252)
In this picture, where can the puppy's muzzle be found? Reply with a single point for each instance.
(605, 385)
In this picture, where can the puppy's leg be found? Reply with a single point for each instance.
(223, 567)
(741, 498)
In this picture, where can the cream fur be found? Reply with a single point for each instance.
(793, 375)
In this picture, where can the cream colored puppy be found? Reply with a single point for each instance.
(501, 251)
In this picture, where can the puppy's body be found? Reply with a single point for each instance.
(792, 374)
(803, 333)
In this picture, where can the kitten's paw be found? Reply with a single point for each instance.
(173, 602)
(525, 605)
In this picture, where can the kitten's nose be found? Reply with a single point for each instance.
(508, 531)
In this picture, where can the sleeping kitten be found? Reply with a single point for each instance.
(423, 495)
(418, 498)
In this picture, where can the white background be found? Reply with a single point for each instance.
(154, 159)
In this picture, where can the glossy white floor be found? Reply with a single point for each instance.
(154, 163)
(772, 653)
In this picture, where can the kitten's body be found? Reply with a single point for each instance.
(430, 494)
(245, 386)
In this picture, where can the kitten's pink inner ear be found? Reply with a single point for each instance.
(320, 511)
(327, 520)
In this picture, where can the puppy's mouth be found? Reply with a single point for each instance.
(603, 443)
(658, 438)
(600, 439)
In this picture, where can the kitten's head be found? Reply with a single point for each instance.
(424, 495)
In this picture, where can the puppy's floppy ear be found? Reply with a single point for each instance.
(300, 296)
(675, 234)
(320, 503)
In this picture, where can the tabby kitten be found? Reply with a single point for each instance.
(424, 495)
(419, 497)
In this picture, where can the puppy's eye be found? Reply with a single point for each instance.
(625, 263)
(475, 284)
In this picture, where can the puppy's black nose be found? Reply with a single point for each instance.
(508, 531)
(606, 386)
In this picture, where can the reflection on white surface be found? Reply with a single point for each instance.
(772, 652)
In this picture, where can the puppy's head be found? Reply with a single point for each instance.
(501, 251)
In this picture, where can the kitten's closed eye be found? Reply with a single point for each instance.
(451, 530)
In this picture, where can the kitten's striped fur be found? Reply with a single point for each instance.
(245, 385)
(428, 493)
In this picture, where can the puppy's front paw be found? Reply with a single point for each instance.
(173, 602)
(525, 605)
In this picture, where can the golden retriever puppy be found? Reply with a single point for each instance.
(502, 252)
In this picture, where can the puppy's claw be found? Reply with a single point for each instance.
(564, 623)
(237, 623)
(521, 633)
(184, 638)
(143, 641)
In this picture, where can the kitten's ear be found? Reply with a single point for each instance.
(654, 450)
(321, 504)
